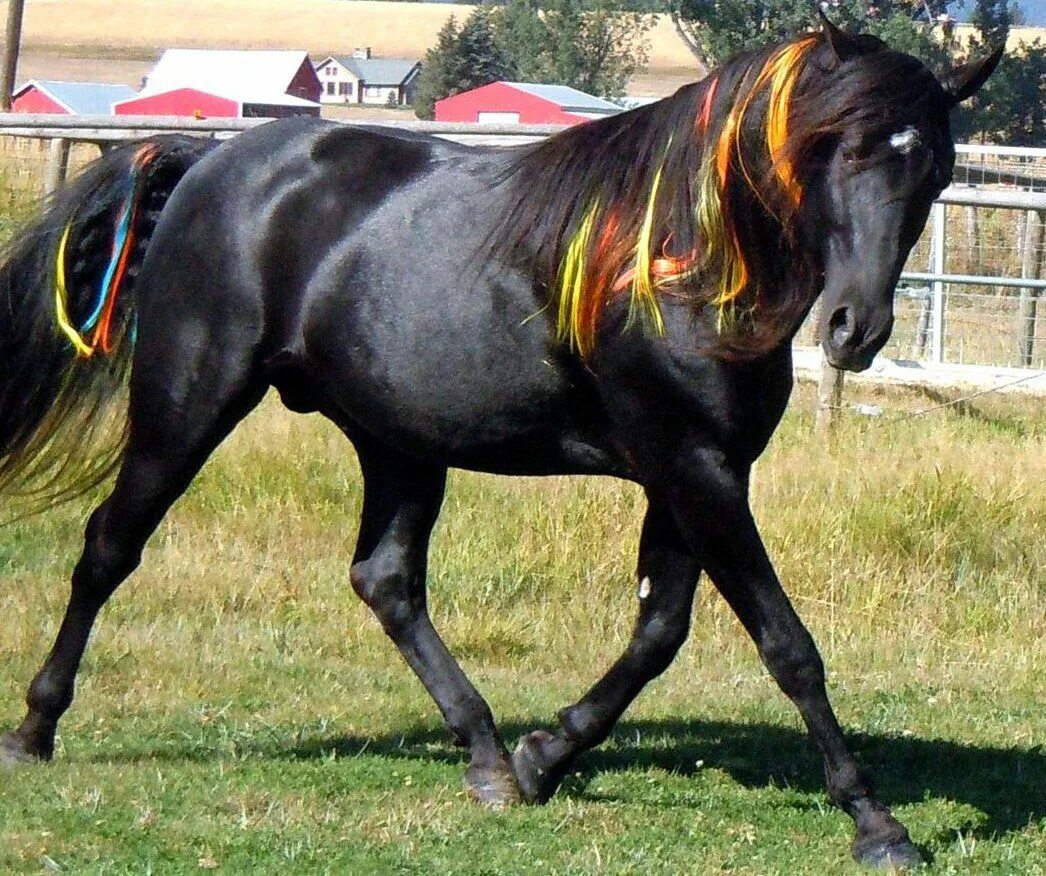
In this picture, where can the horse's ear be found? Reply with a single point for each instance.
(844, 46)
(964, 81)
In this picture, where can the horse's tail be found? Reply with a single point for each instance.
(67, 321)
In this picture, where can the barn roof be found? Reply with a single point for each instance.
(256, 100)
(245, 76)
(570, 100)
(83, 98)
(375, 71)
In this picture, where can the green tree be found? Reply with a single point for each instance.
(462, 58)
(717, 29)
(440, 70)
(992, 18)
(1012, 105)
(523, 35)
(1015, 104)
(482, 57)
(901, 32)
(594, 45)
(609, 45)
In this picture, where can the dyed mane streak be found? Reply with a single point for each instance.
(699, 197)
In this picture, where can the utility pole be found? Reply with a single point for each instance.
(12, 41)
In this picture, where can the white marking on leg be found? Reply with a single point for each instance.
(644, 588)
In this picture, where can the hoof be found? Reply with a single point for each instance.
(494, 787)
(893, 854)
(538, 769)
(15, 753)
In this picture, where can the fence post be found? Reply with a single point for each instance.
(12, 44)
(973, 239)
(939, 241)
(829, 396)
(57, 165)
(1031, 269)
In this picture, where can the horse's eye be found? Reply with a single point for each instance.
(849, 155)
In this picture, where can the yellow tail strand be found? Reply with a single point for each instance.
(61, 297)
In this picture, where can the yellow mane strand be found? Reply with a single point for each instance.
(572, 285)
(643, 283)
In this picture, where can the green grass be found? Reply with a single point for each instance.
(240, 711)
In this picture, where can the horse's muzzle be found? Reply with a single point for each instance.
(851, 343)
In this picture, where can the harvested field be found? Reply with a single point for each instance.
(102, 41)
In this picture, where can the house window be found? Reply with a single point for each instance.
(372, 91)
(330, 88)
(344, 88)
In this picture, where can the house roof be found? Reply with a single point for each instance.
(245, 76)
(570, 100)
(83, 98)
(375, 71)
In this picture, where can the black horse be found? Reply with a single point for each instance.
(619, 299)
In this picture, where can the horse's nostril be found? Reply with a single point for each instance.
(841, 326)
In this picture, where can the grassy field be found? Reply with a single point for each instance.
(240, 711)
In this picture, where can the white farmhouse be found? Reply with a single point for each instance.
(361, 79)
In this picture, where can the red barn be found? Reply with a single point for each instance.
(223, 84)
(68, 98)
(180, 102)
(523, 103)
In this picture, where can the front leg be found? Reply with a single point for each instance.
(667, 576)
(708, 496)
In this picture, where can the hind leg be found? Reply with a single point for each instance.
(170, 438)
(401, 501)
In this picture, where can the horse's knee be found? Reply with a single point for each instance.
(383, 582)
(794, 662)
(658, 639)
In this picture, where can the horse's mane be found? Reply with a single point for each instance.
(702, 195)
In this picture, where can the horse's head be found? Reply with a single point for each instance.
(885, 162)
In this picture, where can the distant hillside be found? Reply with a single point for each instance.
(101, 28)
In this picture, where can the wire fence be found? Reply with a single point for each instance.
(971, 292)
(991, 310)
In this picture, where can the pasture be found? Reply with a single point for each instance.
(239, 710)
